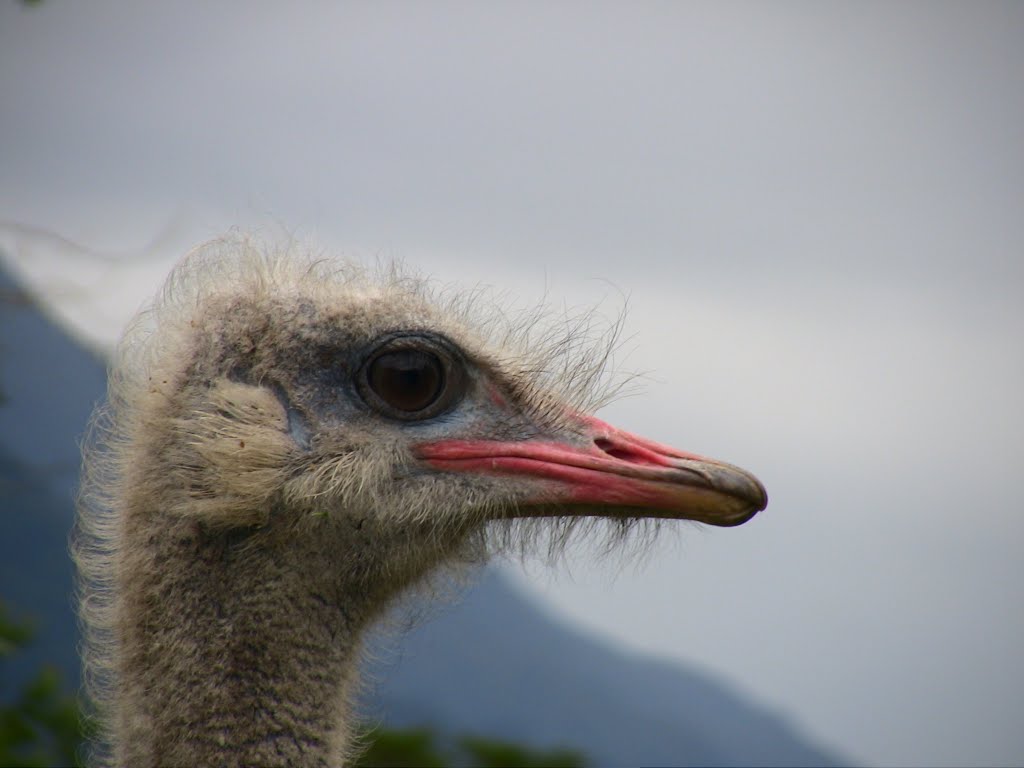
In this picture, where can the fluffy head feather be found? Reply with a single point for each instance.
(209, 426)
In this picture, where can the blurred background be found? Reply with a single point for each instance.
(813, 214)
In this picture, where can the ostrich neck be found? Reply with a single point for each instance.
(235, 649)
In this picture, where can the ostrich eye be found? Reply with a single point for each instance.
(410, 381)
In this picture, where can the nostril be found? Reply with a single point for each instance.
(621, 452)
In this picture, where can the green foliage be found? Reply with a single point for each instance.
(400, 748)
(502, 754)
(418, 747)
(42, 725)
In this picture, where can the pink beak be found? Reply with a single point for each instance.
(627, 474)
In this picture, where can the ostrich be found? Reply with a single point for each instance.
(288, 446)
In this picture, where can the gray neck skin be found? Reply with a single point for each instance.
(237, 649)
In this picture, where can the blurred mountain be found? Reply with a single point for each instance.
(494, 665)
(48, 386)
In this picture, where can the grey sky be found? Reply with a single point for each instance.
(816, 210)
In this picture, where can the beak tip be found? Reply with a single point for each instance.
(740, 494)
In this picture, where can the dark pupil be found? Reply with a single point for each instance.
(407, 379)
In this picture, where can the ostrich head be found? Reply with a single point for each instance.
(288, 445)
